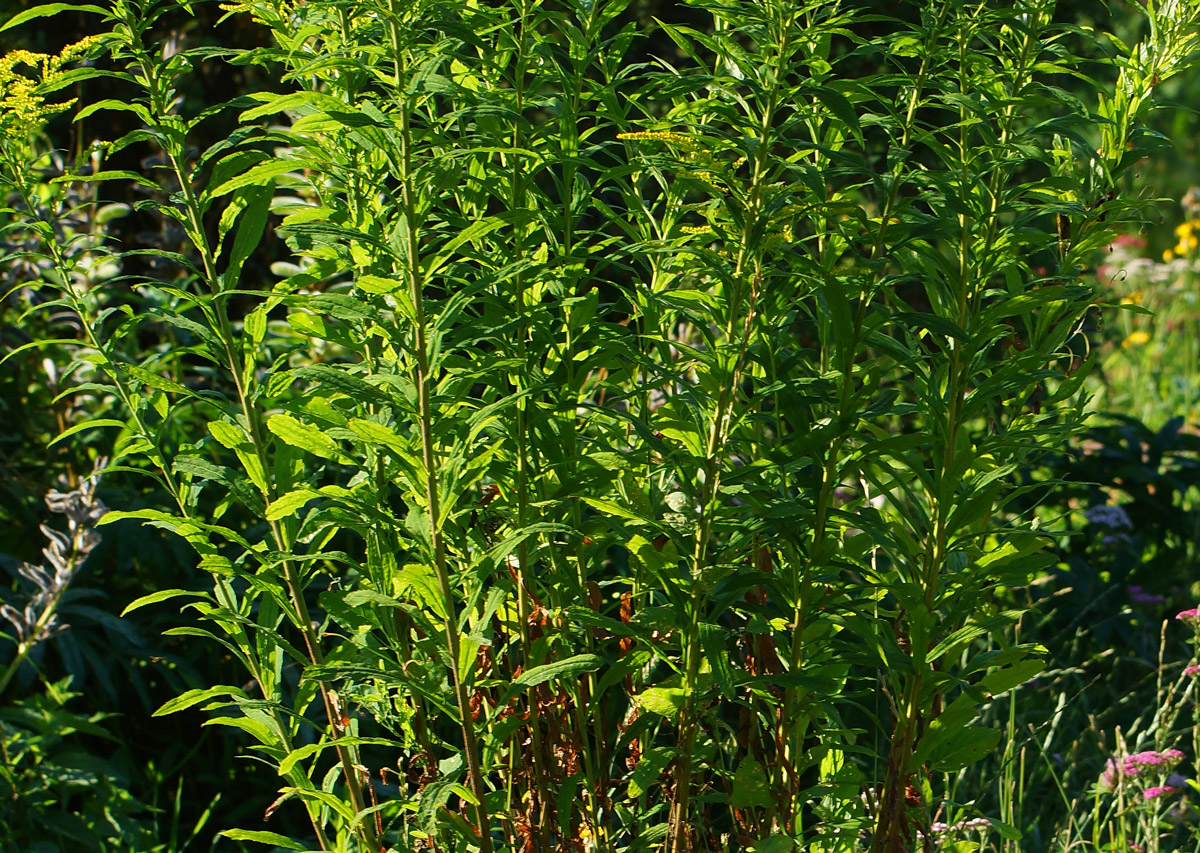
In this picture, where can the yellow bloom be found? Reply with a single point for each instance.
(1168, 255)
(1136, 339)
(660, 136)
(23, 107)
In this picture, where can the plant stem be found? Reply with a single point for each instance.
(422, 381)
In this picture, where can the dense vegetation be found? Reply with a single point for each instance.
(542, 425)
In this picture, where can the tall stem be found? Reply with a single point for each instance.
(158, 90)
(429, 455)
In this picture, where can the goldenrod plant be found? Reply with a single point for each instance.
(616, 455)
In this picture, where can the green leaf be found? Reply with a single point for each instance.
(956, 716)
(297, 755)
(140, 180)
(433, 798)
(228, 434)
(376, 284)
(664, 701)
(263, 837)
(963, 749)
(288, 505)
(837, 104)
(304, 436)
(86, 425)
(161, 595)
(50, 9)
(569, 668)
(249, 233)
(196, 696)
(262, 175)
(572, 666)
(374, 433)
(712, 640)
(1006, 831)
(468, 234)
(751, 787)
(307, 100)
(649, 767)
(417, 581)
(1003, 680)
(114, 515)
(162, 383)
(609, 508)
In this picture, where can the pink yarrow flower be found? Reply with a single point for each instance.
(1137, 764)
(1191, 670)
(1191, 617)
(1133, 765)
(1157, 791)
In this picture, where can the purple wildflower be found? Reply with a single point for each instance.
(978, 824)
(1157, 791)
(1108, 516)
(1138, 596)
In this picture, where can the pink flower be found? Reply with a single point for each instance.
(1136, 765)
(1191, 617)
(1108, 779)
(1131, 241)
(1133, 765)
(1157, 791)
(1191, 670)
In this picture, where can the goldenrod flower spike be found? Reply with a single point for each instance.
(660, 136)
(23, 107)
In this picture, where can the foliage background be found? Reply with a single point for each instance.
(123, 669)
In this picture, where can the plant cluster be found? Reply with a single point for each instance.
(621, 456)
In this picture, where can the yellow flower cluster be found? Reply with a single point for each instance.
(1188, 243)
(23, 107)
(265, 13)
(706, 177)
(1136, 339)
(660, 136)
